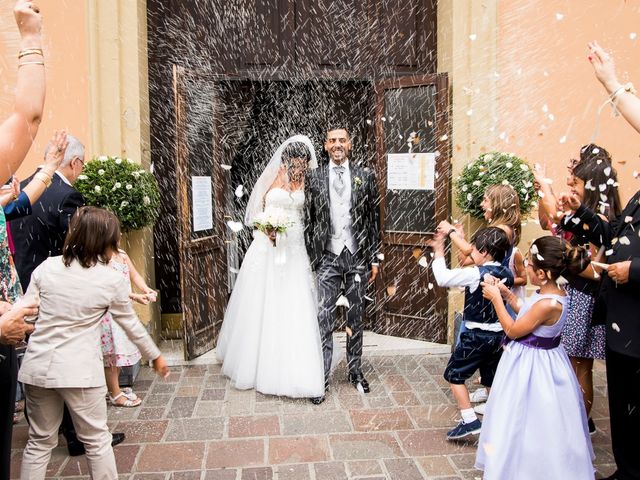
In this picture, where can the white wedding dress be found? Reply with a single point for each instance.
(270, 339)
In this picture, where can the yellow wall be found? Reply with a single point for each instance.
(66, 57)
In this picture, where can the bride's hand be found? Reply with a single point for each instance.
(272, 236)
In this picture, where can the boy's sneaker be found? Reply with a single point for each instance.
(592, 427)
(464, 430)
(479, 396)
(479, 409)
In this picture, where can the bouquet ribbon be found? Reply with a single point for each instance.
(281, 249)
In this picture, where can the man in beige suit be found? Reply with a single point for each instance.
(63, 361)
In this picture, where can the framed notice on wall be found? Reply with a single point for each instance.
(202, 203)
(411, 171)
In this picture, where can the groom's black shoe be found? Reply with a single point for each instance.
(317, 400)
(358, 378)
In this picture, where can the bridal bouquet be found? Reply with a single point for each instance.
(272, 221)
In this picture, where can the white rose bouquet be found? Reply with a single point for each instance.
(272, 221)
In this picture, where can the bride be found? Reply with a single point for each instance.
(270, 339)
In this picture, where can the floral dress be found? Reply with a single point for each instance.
(10, 288)
(117, 349)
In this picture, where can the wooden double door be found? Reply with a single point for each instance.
(226, 131)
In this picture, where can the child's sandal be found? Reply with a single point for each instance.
(127, 402)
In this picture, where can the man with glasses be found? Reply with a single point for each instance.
(41, 235)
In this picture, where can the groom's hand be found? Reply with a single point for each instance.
(374, 273)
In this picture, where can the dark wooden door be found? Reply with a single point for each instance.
(200, 185)
(412, 130)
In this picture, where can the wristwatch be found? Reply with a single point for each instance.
(451, 231)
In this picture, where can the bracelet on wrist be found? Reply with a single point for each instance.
(30, 51)
(22, 64)
(453, 230)
(44, 178)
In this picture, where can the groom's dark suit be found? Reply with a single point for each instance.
(352, 263)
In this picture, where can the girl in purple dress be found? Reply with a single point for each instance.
(535, 424)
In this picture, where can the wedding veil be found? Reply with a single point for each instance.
(269, 174)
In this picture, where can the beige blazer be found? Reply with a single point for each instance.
(64, 351)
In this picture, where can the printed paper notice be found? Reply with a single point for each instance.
(202, 204)
(411, 171)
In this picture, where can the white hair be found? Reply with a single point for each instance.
(75, 149)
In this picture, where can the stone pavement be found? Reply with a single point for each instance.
(195, 426)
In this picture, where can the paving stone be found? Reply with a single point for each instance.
(58, 459)
(293, 472)
(192, 381)
(221, 474)
(185, 429)
(167, 457)
(396, 383)
(215, 381)
(381, 419)
(188, 391)
(208, 409)
(261, 473)
(406, 398)
(181, 407)
(157, 400)
(167, 388)
(213, 394)
(148, 431)
(316, 423)
(149, 476)
(330, 470)
(235, 453)
(298, 449)
(464, 461)
(254, 426)
(434, 416)
(358, 446)
(154, 413)
(435, 466)
(195, 371)
(421, 443)
(363, 468)
(381, 402)
(402, 469)
(193, 475)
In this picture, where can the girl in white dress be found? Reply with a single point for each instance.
(535, 424)
(270, 339)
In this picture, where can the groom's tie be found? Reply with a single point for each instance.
(338, 181)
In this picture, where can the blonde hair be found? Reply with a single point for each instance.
(505, 209)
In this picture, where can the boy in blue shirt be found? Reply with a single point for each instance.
(480, 345)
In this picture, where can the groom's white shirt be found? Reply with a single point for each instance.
(340, 207)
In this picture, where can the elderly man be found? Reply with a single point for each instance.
(41, 235)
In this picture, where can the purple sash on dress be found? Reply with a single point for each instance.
(544, 343)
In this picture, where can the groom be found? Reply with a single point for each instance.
(342, 236)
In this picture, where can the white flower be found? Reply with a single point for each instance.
(101, 172)
(128, 186)
(103, 158)
(130, 161)
(469, 197)
(97, 188)
(524, 166)
(505, 182)
(117, 185)
(146, 200)
(464, 188)
(118, 161)
(476, 183)
(509, 164)
(135, 175)
(124, 204)
(488, 156)
(82, 177)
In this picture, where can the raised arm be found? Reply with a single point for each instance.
(19, 129)
(626, 102)
(598, 231)
(540, 313)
